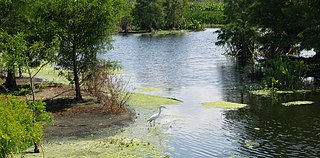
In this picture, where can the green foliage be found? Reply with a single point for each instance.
(174, 13)
(272, 28)
(124, 13)
(285, 74)
(85, 28)
(149, 15)
(238, 36)
(21, 124)
(177, 14)
(195, 25)
(206, 12)
(12, 49)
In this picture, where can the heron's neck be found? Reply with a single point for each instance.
(159, 111)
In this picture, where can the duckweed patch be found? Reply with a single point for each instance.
(115, 146)
(145, 100)
(297, 103)
(224, 105)
(148, 89)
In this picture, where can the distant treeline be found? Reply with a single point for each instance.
(146, 15)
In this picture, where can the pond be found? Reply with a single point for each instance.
(191, 68)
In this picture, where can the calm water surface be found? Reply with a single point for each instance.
(191, 68)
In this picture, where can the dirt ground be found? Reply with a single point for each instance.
(78, 118)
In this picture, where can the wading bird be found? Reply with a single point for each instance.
(155, 116)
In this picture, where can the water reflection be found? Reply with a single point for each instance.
(191, 68)
(273, 130)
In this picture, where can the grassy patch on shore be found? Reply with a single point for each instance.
(49, 74)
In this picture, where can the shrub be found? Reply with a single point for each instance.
(21, 124)
(107, 88)
(285, 74)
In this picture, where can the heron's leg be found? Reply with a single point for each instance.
(150, 123)
(154, 122)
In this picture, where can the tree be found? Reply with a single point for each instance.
(124, 11)
(271, 27)
(310, 35)
(33, 46)
(238, 35)
(12, 48)
(174, 11)
(11, 15)
(149, 15)
(84, 27)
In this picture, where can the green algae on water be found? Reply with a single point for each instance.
(297, 103)
(145, 100)
(225, 105)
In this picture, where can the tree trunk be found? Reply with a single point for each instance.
(11, 80)
(31, 80)
(76, 82)
(75, 70)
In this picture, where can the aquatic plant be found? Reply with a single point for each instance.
(297, 103)
(223, 104)
(149, 101)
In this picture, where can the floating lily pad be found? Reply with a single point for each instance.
(297, 103)
(145, 100)
(148, 89)
(225, 105)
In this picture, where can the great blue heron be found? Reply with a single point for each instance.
(155, 116)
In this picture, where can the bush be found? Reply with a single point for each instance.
(195, 25)
(107, 88)
(285, 74)
(21, 124)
